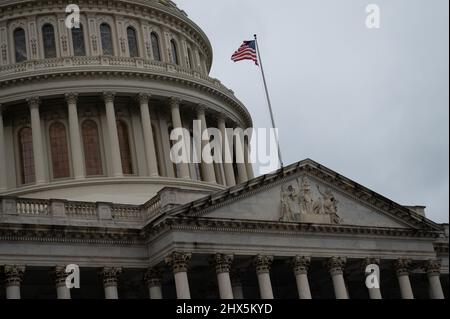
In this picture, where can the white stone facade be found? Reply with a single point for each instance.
(138, 226)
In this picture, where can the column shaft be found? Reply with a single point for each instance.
(240, 159)
(75, 137)
(208, 172)
(62, 292)
(226, 154)
(3, 184)
(433, 270)
(248, 163)
(179, 263)
(374, 279)
(301, 265)
(402, 267)
(116, 159)
(149, 141)
(336, 267)
(223, 265)
(38, 150)
(153, 279)
(263, 264)
(177, 124)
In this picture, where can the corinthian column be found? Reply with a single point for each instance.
(2, 154)
(240, 159)
(263, 264)
(153, 280)
(38, 150)
(402, 267)
(227, 157)
(62, 292)
(207, 168)
(301, 265)
(13, 279)
(149, 142)
(223, 266)
(177, 124)
(433, 270)
(336, 267)
(116, 159)
(237, 285)
(75, 137)
(110, 276)
(180, 263)
(374, 292)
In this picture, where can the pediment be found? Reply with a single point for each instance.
(308, 193)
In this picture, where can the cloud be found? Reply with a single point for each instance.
(370, 104)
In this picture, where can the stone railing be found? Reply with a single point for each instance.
(55, 64)
(24, 207)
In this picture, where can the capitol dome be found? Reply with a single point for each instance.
(87, 112)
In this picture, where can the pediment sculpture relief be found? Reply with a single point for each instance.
(300, 204)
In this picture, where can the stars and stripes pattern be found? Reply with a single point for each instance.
(247, 51)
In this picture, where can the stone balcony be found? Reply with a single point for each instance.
(76, 213)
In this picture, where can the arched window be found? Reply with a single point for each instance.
(20, 45)
(125, 150)
(106, 37)
(79, 47)
(132, 42)
(91, 144)
(48, 39)
(26, 156)
(174, 50)
(191, 63)
(155, 46)
(59, 150)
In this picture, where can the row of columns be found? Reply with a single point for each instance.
(229, 289)
(229, 284)
(245, 170)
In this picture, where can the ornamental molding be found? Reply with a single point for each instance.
(336, 265)
(110, 276)
(433, 267)
(263, 264)
(194, 224)
(300, 264)
(222, 263)
(71, 235)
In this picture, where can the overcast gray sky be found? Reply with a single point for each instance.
(372, 105)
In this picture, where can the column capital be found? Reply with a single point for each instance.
(109, 96)
(336, 265)
(179, 261)
(432, 267)
(174, 102)
(71, 98)
(60, 276)
(143, 98)
(403, 266)
(263, 264)
(34, 101)
(369, 261)
(201, 109)
(222, 263)
(301, 264)
(153, 277)
(13, 274)
(110, 275)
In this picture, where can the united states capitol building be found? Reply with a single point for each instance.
(86, 177)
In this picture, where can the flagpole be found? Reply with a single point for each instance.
(268, 102)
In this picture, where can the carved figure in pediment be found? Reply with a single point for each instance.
(289, 203)
(306, 200)
(328, 204)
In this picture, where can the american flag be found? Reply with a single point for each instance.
(247, 51)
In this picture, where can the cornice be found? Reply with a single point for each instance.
(70, 234)
(284, 229)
